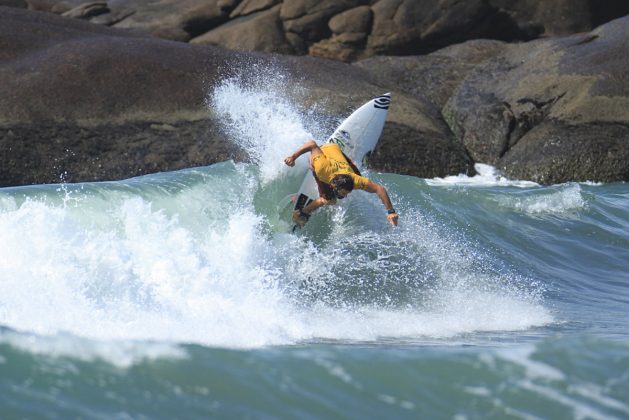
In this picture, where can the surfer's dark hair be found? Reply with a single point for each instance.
(342, 182)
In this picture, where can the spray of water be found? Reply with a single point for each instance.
(258, 113)
(196, 255)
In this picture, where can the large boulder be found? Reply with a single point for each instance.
(248, 7)
(99, 103)
(261, 31)
(434, 76)
(561, 17)
(306, 21)
(403, 27)
(92, 103)
(421, 145)
(552, 110)
(61, 69)
(179, 20)
(86, 102)
(345, 30)
(350, 30)
(431, 80)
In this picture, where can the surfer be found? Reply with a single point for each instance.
(336, 177)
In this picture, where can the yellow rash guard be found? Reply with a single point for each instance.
(332, 163)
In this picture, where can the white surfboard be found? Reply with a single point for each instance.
(357, 136)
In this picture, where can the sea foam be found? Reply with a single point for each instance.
(198, 256)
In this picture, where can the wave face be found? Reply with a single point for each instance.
(486, 282)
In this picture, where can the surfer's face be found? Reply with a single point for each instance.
(340, 193)
(342, 184)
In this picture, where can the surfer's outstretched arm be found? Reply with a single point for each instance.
(378, 189)
(309, 146)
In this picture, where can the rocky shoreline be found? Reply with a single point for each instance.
(81, 101)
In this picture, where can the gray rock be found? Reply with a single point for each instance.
(404, 27)
(54, 6)
(261, 31)
(80, 98)
(561, 17)
(95, 103)
(247, 7)
(356, 20)
(563, 87)
(14, 3)
(378, 27)
(308, 19)
(178, 20)
(434, 76)
(52, 152)
(88, 10)
(555, 152)
(104, 103)
(349, 35)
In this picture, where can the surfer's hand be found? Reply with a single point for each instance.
(300, 217)
(290, 161)
(393, 218)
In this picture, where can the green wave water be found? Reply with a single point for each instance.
(183, 294)
(572, 377)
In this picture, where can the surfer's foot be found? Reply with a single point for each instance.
(300, 217)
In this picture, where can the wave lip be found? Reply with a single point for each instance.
(563, 199)
(119, 353)
(487, 176)
(145, 262)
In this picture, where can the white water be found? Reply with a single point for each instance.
(487, 176)
(564, 199)
(189, 257)
(258, 115)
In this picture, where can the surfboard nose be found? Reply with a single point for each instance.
(382, 101)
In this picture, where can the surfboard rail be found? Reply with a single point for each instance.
(357, 137)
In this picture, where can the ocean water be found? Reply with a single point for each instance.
(182, 294)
